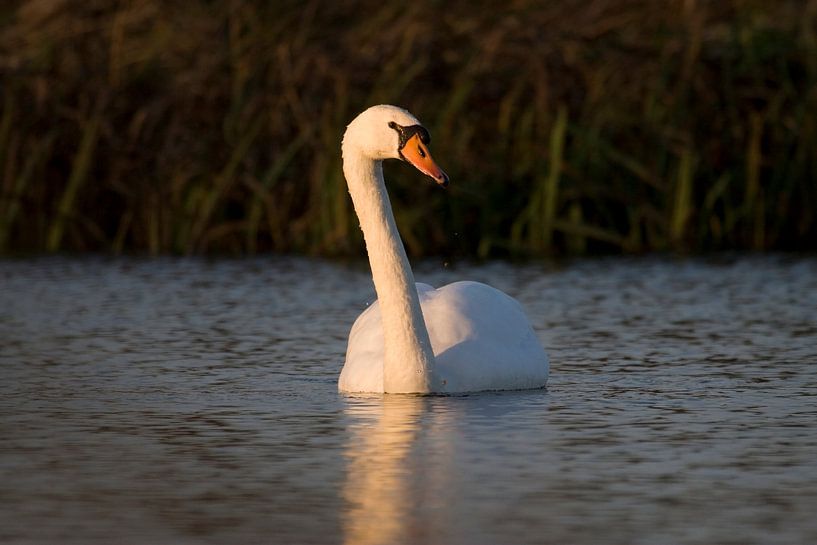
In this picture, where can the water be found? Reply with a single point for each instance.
(191, 401)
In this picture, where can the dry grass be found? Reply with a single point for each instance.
(569, 127)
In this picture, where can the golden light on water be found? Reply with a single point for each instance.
(386, 483)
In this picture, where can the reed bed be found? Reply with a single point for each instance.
(570, 127)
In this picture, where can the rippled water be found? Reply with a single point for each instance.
(192, 401)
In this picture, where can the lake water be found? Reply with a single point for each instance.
(188, 401)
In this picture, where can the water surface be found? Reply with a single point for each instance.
(194, 401)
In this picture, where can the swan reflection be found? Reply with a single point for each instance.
(388, 489)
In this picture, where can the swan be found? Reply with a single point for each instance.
(463, 337)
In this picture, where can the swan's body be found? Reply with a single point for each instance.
(474, 348)
(465, 336)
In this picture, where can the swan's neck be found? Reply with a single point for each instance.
(408, 355)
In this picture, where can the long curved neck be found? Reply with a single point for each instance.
(408, 355)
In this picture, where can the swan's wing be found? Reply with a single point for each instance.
(363, 369)
(482, 339)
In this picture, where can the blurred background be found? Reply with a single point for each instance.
(568, 127)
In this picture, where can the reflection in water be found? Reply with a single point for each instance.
(387, 482)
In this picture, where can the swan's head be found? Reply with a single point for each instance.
(388, 132)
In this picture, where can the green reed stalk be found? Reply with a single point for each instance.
(591, 232)
(576, 242)
(79, 176)
(682, 199)
(753, 201)
(540, 215)
(550, 191)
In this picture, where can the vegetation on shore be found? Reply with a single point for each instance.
(571, 127)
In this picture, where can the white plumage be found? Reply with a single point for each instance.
(462, 337)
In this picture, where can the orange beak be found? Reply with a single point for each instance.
(416, 153)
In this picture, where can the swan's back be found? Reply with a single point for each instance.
(481, 339)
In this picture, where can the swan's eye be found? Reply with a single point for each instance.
(420, 151)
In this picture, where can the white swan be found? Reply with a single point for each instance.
(468, 336)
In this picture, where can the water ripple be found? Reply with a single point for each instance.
(194, 401)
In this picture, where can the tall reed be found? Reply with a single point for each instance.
(567, 127)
